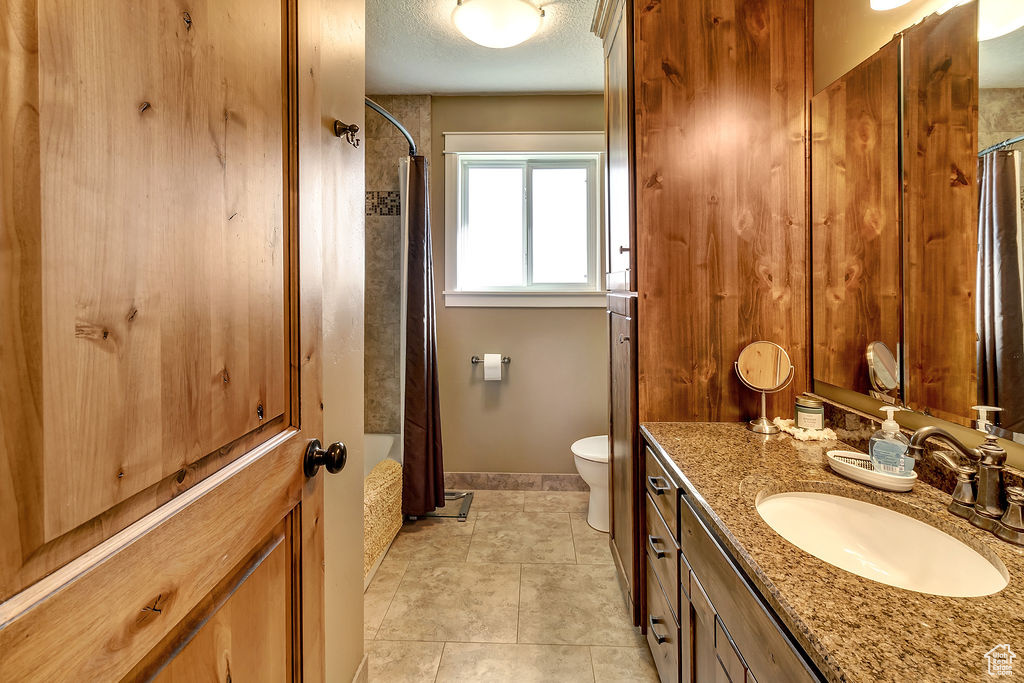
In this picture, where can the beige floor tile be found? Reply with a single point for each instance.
(498, 501)
(522, 537)
(591, 545)
(573, 604)
(402, 662)
(556, 501)
(486, 663)
(434, 540)
(378, 595)
(475, 603)
(623, 665)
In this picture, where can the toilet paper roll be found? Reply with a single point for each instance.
(492, 367)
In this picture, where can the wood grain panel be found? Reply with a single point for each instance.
(248, 637)
(940, 147)
(721, 121)
(855, 234)
(143, 339)
(625, 468)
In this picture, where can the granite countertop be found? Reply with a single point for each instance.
(853, 628)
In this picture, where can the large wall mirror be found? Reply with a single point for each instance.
(917, 241)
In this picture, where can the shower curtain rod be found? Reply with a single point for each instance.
(386, 114)
(1004, 143)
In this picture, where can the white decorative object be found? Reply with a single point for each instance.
(801, 434)
(857, 466)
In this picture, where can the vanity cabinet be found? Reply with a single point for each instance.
(705, 620)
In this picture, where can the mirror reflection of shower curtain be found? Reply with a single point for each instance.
(423, 468)
(1000, 287)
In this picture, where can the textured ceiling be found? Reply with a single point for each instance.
(412, 47)
(1001, 61)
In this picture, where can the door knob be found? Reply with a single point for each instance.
(333, 458)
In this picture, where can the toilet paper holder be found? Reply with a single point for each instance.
(505, 360)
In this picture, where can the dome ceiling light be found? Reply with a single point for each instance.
(882, 5)
(497, 23)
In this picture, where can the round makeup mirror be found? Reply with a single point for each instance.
(764, 366)
(883, 369)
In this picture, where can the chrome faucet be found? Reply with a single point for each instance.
(980, 495)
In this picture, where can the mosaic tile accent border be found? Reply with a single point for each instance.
(513, 481)
(386, 203)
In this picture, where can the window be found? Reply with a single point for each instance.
(525, 226)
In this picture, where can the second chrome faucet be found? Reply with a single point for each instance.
(981, 496)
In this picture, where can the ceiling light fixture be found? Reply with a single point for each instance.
(882, 5)
(497, 23)
(999, 17)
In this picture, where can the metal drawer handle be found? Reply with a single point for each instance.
(623, 339)
(658, 490)
(658, 552)
(623, 250)
(651, 621)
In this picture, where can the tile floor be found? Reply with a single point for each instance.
(524, 590)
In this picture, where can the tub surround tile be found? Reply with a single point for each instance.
(853, 629)
(556, 501)
(623, 665)
(522, 537)
(591, 545)
(466, 602)
(485, 663)
(402, 661)
(378, 595)
(574, 605)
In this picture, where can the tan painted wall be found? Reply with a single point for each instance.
(342, 49)
(556, 388)
(848, 31)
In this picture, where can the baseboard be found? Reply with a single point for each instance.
(513, 481)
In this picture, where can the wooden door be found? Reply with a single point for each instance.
(160, 323)
(625, 513)
(618, 43)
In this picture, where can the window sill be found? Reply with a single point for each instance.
(587, 299)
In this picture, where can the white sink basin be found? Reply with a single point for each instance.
(882, 545)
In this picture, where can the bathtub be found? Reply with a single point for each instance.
(376, 447)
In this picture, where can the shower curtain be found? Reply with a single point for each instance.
(423, 470)
(1000, 285)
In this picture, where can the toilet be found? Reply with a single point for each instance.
(591, 456)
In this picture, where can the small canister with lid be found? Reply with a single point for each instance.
(810, 412)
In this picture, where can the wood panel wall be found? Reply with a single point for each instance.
(855, 208)
(722, 235)
(940, 147)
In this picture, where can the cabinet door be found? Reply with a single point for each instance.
(623, 475)
(619, 124)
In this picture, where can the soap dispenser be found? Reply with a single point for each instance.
(888, 447)
(983, 424)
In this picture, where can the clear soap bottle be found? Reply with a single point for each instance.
(888, 447)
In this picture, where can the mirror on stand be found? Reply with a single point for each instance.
(764, 366)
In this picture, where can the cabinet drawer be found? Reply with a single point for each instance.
(662, 629)
(663, 492)
(664, 554)
(730, 659)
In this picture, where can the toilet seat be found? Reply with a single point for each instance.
(593, 448)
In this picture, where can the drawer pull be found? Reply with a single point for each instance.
(658, 638)
(658, 485)
(658, 552)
